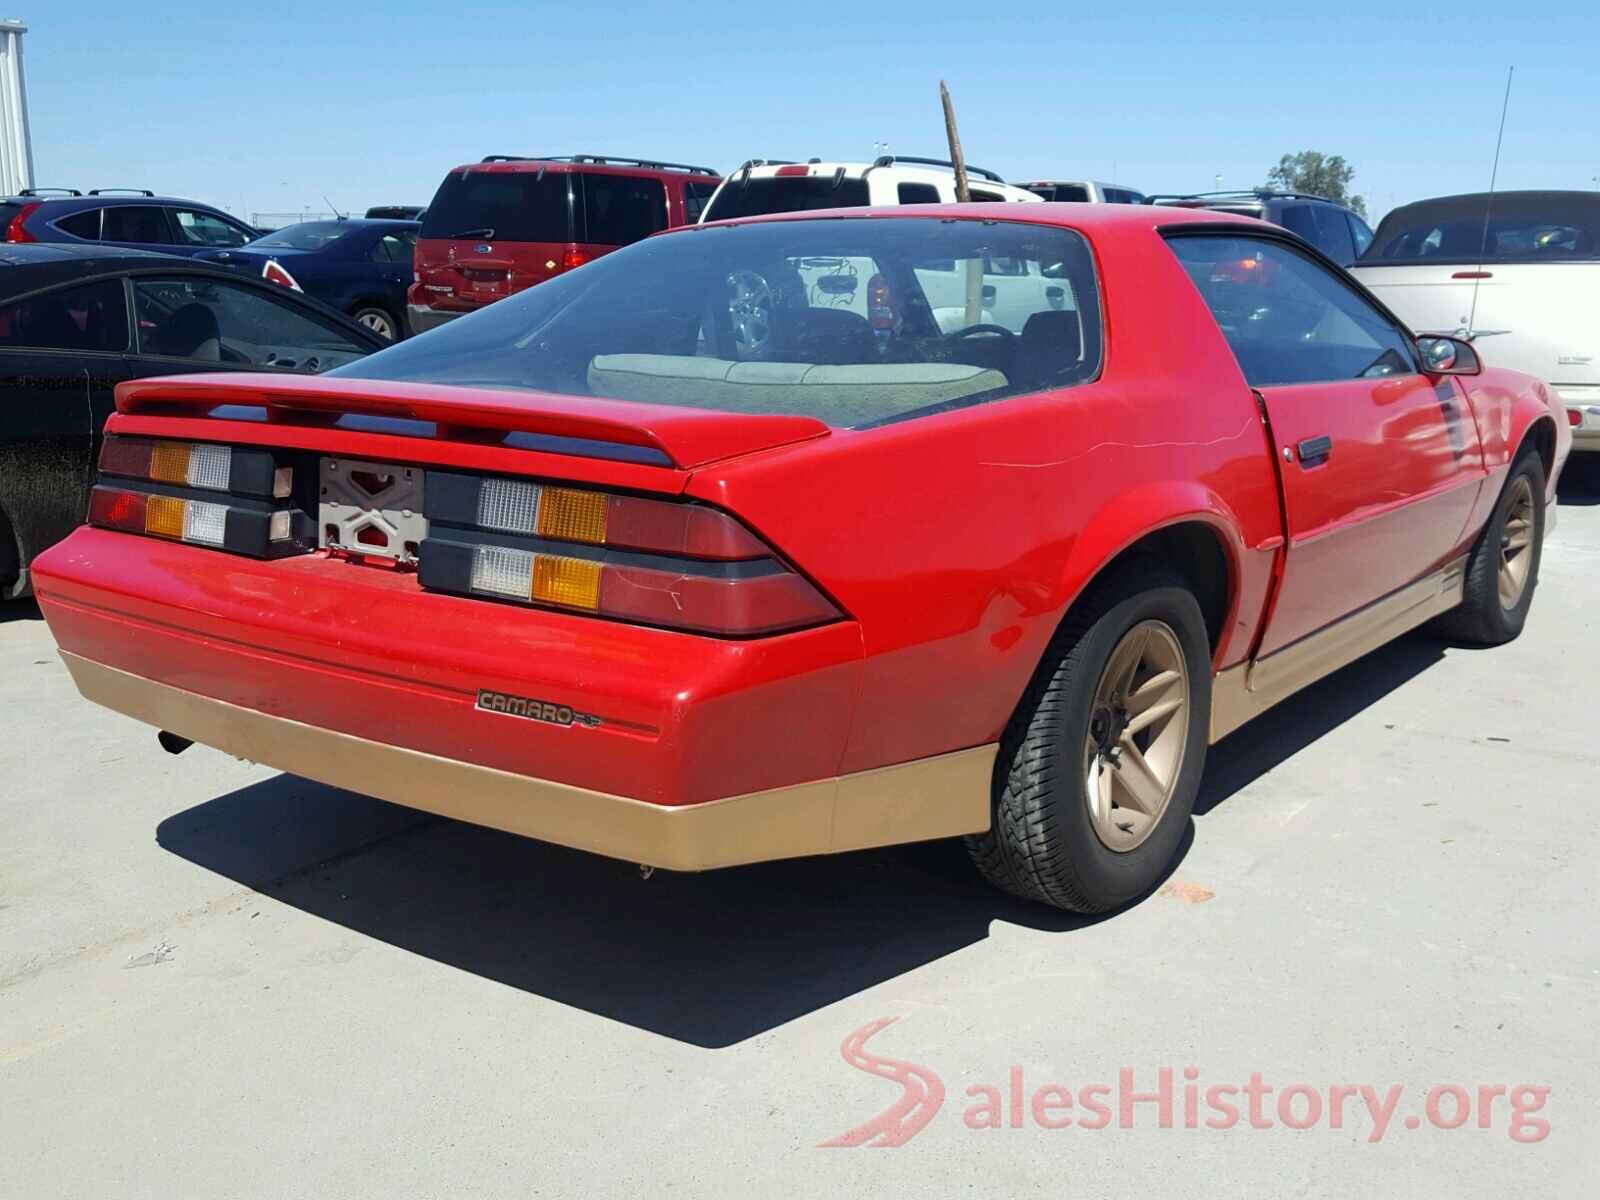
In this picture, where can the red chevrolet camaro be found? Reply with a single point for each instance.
(812, 533)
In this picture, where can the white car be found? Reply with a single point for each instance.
(1524, 284)
(1085, 191)
(761, 186)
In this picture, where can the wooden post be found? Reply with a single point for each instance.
(954, 138)
(974, 272)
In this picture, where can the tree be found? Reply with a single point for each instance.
(1317, 174)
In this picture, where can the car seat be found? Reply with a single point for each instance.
(190, 332)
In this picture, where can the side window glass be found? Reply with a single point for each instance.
(391, 248)
(84, 225)
(695, 196)
(979, 196)
(143, 223)
(620, 209)
(209, 320)
(917, 193)
(1289, 319)
(204, 229)
(91, 317)
(1333, 234)
(1361, 233)
(1298, 218)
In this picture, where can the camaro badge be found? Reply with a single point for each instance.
(533, 710)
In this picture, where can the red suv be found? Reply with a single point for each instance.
(507, 223)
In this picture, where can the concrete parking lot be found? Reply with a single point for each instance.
(216, 980)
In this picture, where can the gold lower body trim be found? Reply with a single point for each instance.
(937, 797)
(1241, 693)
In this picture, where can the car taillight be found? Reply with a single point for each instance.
(679, 565)
(205, 465)
(880, 304)
(572, 258)
(275, 272)
(147, 486)
(17, 230)
(1574, 417)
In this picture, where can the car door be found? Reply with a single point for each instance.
(61, 354)
(1380, 464)
(143, 226)
(391, 258)
(188, 322)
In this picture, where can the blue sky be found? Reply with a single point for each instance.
(267, 107)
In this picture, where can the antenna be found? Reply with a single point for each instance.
(1488, 208)
(332, 209)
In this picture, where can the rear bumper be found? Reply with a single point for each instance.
(931, 798)
(420, 317)
(1585, 403)
(615, 733)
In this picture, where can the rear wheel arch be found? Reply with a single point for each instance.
(1200, 546)
(1541, 436)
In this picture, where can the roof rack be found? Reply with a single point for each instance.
(49, 192)
(121, 192)
(1237, 194)
(603, 160)
(888, 160)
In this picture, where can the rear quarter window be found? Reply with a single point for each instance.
(618, 210)
(84, 225)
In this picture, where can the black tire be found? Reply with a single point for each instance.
(1041, 844)
(10, 559)
(380, 320)
(1482, 619)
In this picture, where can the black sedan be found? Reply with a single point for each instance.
(77, 320)
(359, 267)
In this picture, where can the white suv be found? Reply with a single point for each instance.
(761, 186)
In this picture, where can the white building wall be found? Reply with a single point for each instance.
(16, 146)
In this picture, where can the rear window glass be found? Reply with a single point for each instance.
(753, 197)
(1526, 227)
(618, 210)
(853, 322)
(1062, 192)
(506, 206)
(310, 235)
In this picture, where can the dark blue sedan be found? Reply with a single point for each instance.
(357, 266)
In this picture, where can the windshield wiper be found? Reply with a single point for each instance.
(485, 233)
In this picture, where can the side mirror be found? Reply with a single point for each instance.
(1443, 355)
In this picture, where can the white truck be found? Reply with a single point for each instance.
(1517, 272)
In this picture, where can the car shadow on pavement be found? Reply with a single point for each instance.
(19, 610)
(708, 959)
(1580, 480)
(1283, 731)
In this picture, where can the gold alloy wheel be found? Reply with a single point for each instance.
(1138, 732)
(1516, 544)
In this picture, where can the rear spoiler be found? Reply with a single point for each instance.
(687, 437)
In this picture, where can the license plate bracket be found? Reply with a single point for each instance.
(371, 509)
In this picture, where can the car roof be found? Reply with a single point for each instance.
(1088, 217)
(26, 267)
(107, 200)
(589, 164)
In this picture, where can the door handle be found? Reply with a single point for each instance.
(1314, 450)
